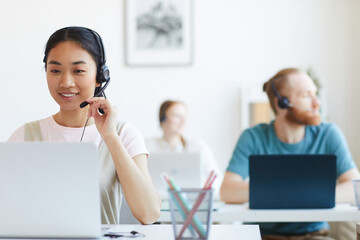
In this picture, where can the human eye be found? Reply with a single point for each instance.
(55, 71)
(305, 95)
(78, 71)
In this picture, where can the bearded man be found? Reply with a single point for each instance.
(297, 129)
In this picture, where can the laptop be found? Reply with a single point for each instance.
(185, 168)
(49, 190)
(292, 181)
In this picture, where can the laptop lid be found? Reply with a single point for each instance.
(49, 190)
(185, 168)
(292, 181)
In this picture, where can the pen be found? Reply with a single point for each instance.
(187, 208)
(199, 200)
(179, 204)
(132, 234)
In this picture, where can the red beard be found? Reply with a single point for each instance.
(302, 117)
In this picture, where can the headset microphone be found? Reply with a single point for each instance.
(98, 94)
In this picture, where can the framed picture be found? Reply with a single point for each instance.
(158, 32)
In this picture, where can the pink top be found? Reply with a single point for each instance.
(53, 132)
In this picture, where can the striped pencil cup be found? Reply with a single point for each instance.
(191, 210)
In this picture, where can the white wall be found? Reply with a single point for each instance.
(238, 44)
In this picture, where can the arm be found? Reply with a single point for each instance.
(345, 166)
(134, 177)
(136, 182)
(345, 187)
(234, 189)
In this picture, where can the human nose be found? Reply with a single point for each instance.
(67, 81)
(183, 121)
(316, 101)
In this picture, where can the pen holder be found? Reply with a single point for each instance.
(191, 211)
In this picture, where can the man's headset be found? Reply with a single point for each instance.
(103, 72)
(283, 102)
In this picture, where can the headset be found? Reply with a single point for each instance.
(103, 72)
(102, 76)
(283, 102)
(162, 119)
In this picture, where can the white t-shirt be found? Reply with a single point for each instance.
(51, 131)
(207, 156)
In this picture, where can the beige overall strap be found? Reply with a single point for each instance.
(33, 131)
(111, 191)
(119, 127)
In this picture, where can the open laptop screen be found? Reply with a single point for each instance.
(292, 181)
(185, 168)
(49, 190)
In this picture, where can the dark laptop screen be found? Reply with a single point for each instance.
(292, 181)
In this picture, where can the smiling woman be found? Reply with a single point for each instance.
(75, 69)
(68, 75)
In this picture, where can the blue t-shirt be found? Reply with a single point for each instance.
(262, 139)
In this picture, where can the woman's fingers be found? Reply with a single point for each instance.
(105, 123)
(96, 103)
(91, 112)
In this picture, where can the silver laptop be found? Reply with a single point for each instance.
(185, 168)
(49, 190)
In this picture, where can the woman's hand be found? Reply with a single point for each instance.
(105, 123)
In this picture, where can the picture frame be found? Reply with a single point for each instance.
(158, 32)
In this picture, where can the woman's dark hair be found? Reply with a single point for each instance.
(86, 38)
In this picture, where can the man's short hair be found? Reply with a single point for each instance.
(279, 80)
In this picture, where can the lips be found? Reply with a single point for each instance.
(68, 95)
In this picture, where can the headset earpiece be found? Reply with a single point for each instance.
(283, 102)
(104, 74)
(162, 119)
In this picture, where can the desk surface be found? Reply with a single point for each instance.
(241, 212)
(165, 231)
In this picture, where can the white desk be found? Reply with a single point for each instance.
(241, 212)
(165, 231)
